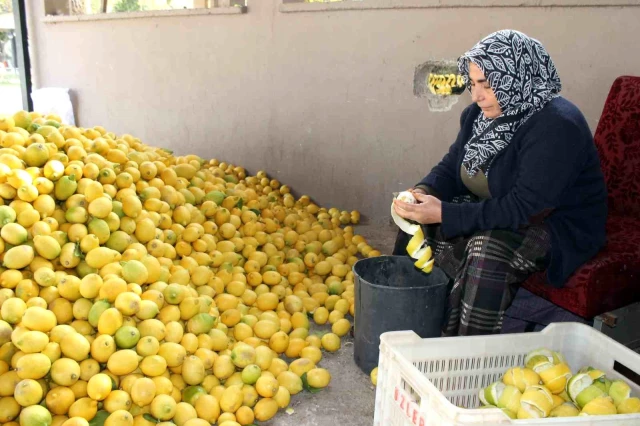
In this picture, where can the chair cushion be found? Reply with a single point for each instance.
(617, 138)
(608, 281)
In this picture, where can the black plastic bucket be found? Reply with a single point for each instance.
(393, 295)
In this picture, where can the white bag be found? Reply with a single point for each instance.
(54, 100)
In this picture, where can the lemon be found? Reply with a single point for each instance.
(99, 387)
(127, 337)
(102, 348)
(265, 409)
(64, 187)
(207, 408)
(75, 346)
(22, 119)
(147, 310)
(128, 303)
(283, 397)
(600, 406)
(629, 406)
(134, 272)
(123, 362)
(190, 394)
(163, 407)
(98, 307)
(161, 268)
(291, 381)
(101, 256)
(374, 376)
(117, 400)
(9, 409)
(243, 355)
(28, 392)
(18, 178)
(153, 365)
(279, 342)
(331, 342)
(46, 246)
(552, 356)
(193, 371)
(536, 399)
(318, 377)
(555, 378)
(521, 378)
(341, 327)
(31, 342)
(184, 413)
(59, 399)
(581, 389)
(119, 418)
(53, 170)
(84, 407)
(251, 374)
(65, 371)
(200, 323)
(36, 155)
(13, 310)
(33, 366)
(35, 415)
(566, 409)
(7, 215)
(301, 366)
(267, 387)
(619, 391)
(143, 391)
(231, 399)
(509, 399)
(18, 257)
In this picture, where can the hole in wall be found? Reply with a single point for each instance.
(439, 82)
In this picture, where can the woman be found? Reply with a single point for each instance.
(520, 190)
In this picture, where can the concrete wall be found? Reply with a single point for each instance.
(323, 101)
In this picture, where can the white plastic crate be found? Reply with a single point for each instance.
(435, 382)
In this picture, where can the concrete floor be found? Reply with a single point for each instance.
(349, 399)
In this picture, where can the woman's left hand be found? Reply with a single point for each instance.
(427, 211)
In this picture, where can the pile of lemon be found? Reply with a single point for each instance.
(546, 388)
(141, 288)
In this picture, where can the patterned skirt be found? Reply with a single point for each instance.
(485, 271)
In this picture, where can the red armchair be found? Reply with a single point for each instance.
(612, 278)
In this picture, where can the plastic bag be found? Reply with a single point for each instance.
(54, 100)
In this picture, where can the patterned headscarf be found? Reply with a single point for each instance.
(523, 78)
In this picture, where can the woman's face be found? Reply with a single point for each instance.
(482, 93)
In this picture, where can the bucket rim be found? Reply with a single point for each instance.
(397, 288)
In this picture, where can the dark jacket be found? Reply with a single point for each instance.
(551, 164)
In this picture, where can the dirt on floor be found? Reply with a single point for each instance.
(349, 399)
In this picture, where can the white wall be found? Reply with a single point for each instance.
(323, 101)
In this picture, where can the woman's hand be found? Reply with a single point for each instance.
(415, 191)
(427, 211)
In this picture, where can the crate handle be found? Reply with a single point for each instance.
(626, 372)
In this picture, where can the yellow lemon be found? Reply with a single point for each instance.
(28, 392)
(35, 415)
(318, 377)
(265, 409)
(33, 366)
(99, 387)
(123, 362)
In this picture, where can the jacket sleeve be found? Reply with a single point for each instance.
(551, 158)
(443, 178)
